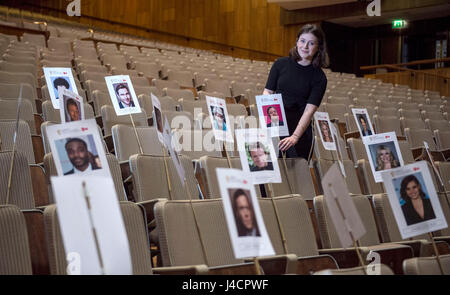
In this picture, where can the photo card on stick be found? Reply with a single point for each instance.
(248, 233)
(122, 95)
(272, 115)
(220, 120)
(59, 78)
(323, 125)
(414, 200)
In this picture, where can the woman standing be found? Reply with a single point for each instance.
(302, 83)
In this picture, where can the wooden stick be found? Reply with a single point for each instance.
(94, 232)
(137, 136)
(228, 156)
(257, 266)
(169, 183)
(196, 224)
(283, 153)
(436, 252)
(13, 155)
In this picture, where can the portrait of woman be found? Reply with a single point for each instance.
(417, 206)
(273, 117)
(385, 159)
(365, 128)
(325, 130)
(219, 118)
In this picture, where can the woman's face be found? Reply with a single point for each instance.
(413, 190)
(307, 46)
(385, 156)
(325, 130)
(363, 123)
(273, 114)
(219, 118)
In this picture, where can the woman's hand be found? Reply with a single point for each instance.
(288, 142)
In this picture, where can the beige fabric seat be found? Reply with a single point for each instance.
(114, 168)
(387, 111)
(110, 119)
(184, 78)
(161, 84)
(387, 124)
(148, 69)
(126, 144)
(416, 137)
(336, 111)
(196, 143)
(21, 193)
(17, 78)
(216, 85)
(441, 125)
(180, 120)
(351, 178)
(136, 228)
(299, 178)
(14, 244)
(150, 178)
(442, 139)
(8, 111)
(427, 265)
(412, 123)
(177, 94)
(23, 141)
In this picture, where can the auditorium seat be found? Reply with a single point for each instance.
(161, 84)
(359, 270)
(416, 137)
(17, 78)
(184, 78)
(427, 266)
(177, 94)
(442, 139)
(412, 123)
(150, 180)
(14, 244)
(8, 111)
(196, 143)
(24, 143)
(126, 144)
(351, 177)
(384, 124)
(110, 118)
(216, 85)
(181, 120)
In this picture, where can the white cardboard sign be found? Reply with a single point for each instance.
(122, 95)
(414, 200)
(383, 153)
(59, 78)
(324, 127)
(77, 149)
(245, 223)
(77, 220)
(218, 113)
(342, 210)
(257, 154)
(157, 117)
(272, 115)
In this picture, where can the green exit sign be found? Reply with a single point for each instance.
(399, 24)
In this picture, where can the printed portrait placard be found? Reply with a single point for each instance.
(245, 223)
(59, 78)
(220, 121)
(383, 153)
(77, 149)
(272, 115)
(413, 199)
(257, 155)
(122, 95)
(341, 207)
(157, 117)
(363, 122)
(323, 125)
(77, 220)
(71, 106)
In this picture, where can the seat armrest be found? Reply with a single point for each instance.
(200, 269)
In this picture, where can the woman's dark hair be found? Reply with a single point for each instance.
(240, 226)
(405, 183)
(321, 57)
(271, 107)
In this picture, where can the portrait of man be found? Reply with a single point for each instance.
(60, 82)
(260, 157)
(80, 157)
(123, 95)
(273, 117)
(244, 213)
(72, 110)
(219, 118)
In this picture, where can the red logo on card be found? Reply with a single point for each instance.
(84, 129)
(416, 168)
(387, 136)
(245, 181)
(65, 73)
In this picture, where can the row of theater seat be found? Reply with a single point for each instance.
(181, 79)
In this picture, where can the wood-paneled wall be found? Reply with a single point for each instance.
(244, 28)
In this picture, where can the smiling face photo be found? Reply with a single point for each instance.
(258, 156)
(325, 131)
(124, 98)
(364, 124)
(73, 112)
(384, 156)
(274, 115)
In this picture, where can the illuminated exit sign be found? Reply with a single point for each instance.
(399, 24)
